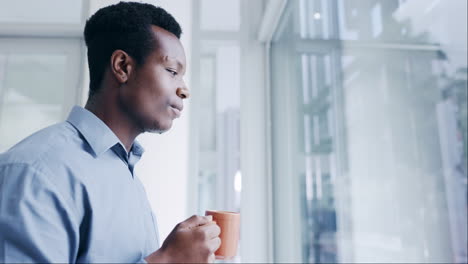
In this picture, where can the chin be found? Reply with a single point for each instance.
(160, 128)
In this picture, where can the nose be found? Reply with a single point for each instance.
(183, 92)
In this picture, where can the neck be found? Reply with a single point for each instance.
(119, 122)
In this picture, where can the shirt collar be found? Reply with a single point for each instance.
(137, 149)
(98, 135)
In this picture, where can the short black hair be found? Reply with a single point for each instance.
(125, 26)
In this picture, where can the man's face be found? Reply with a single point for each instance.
(152, 96)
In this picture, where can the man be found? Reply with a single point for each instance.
(67, 192)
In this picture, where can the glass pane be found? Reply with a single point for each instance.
(315, 19)
(373, 159)
(219, 175)
(207, 135)
(31, 94)
(42, 12)
(218, 114)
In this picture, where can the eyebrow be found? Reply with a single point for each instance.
(172, 59)
(179, 64)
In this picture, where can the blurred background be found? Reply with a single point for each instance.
(338, 128)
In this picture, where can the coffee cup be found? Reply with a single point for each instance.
(229, 222)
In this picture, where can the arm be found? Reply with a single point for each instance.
(36, 222)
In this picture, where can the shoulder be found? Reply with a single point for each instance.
(56, 152)
(46, 146)
(39, 162)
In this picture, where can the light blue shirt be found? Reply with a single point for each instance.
(68, 194)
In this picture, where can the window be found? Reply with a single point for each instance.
(369, 131)
(39, 83)
(215, 151)
(41, 65)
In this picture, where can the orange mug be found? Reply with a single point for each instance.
(229, 222)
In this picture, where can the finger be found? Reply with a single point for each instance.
(211, 230)
(212, 258)
(214, 244)
(196, 220)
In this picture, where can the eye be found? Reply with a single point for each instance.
(171, 71)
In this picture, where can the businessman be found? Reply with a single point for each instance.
(68, 193)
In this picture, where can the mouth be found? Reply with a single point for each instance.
(176, 110)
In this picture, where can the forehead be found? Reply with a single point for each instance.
(168, 46)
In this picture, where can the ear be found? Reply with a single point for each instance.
(122, 65)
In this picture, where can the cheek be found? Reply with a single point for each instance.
(158, 94)
(153, 102)
(152, 94)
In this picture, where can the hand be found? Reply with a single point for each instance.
(193, 241)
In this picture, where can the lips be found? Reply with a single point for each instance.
(176, 110)
(179, 107)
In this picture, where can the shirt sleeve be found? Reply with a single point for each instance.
(36, 223)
